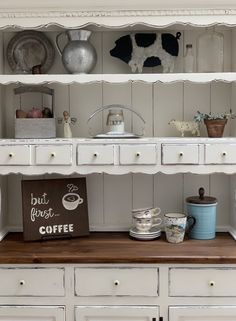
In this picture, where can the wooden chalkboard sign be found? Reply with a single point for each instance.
(54, 208)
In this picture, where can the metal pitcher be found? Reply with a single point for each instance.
(78, 55)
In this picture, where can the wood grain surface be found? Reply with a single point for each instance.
(117, 248)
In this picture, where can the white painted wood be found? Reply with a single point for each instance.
(143, 191)
(142, 102)
(202, 282)
(42, 313)
(116, 281)
(117, 78)
(168, 192)
(95, 154)
(138, 154)
(84, 100)
(117, 201)
(180, 154)
(53, 155)
(203, 312)
(168, 98)
(13, 155)
(111, 313)
(32, 282)
(220, 154)
(95, 196)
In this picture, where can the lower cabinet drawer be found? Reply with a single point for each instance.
(53, 155)
(202, 282)
(116, 281)
(15, 155)
(180, 154)
(202, 312)
(32, 282)
(112, 313)
(95, 155)
(220, 154)
(138, 154)
(19, 313)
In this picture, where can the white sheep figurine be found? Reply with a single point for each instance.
(186, 126)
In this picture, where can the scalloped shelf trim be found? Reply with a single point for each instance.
(67, 79)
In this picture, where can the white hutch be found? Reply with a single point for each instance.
(159, 169)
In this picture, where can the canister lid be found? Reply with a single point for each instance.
(201, 199)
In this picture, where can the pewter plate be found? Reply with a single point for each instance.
(30, 48)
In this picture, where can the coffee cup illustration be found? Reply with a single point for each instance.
(71, 201)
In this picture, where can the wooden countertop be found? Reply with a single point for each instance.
(117, 248)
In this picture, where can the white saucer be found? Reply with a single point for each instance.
(154, 230)
(145, 237)
(153, 233)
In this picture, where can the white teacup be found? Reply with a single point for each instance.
(146, 218)
(147, 212)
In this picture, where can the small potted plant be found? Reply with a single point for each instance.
(215, 123)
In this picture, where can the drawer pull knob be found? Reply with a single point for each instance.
(116, 282)
(224, 154)
(212, 283)
(53, 155)
(11, 155)
(22, 282)
(181, 154)
(138, 154)
(95, 154)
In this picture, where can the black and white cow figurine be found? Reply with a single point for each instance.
(147, 50)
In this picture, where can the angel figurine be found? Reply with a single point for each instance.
(67, 123)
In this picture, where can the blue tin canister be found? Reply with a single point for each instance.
(203, 208)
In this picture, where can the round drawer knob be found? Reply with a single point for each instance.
(212, 283)
(181, 154)
(53, 155)
(116, 282)
(138, 154)
(224, 154)
(11, 155)
(22, 282)
(95, 154)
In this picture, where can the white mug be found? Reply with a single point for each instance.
(176, 226)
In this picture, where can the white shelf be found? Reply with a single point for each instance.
(117, 78)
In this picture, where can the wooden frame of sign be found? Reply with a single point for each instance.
(54, 208)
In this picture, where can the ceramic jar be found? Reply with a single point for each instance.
(203, 208)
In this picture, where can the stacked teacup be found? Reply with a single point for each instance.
(146, 223)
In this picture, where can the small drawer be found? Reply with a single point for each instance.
(220, 154)
(180, 154)
(53, 155)
(32, 282)
(15, 155)
(138, 154)
(202, 282)
(95, 154)
(116, 281)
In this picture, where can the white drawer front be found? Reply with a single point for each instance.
(220, 154)
(95, 155)
(32, 313)
(32, 282)
(202, 282)
(53, 155)
(115, 312)
(116, 281)
(180, 154)
(138, 154)
(15, 155)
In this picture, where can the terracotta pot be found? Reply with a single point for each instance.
(215, 127)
